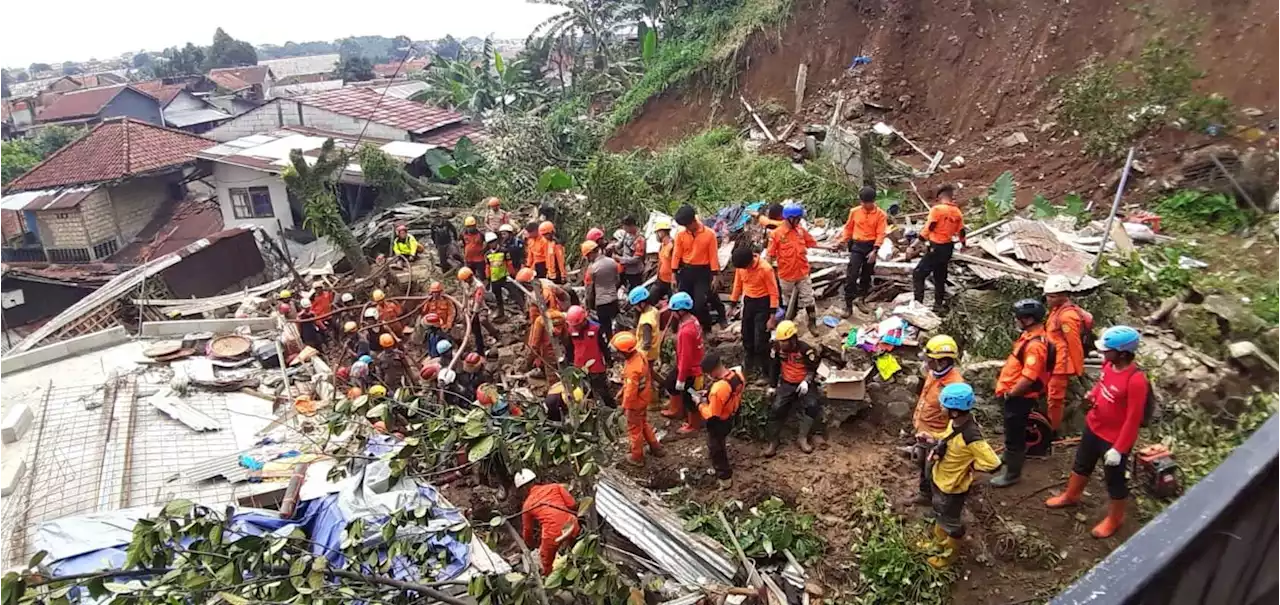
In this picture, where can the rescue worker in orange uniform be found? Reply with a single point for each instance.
(554, 510)
(1020, 385)
(944, 225)
(472, 245)
(552, 254)
(388, 311)
(930, 419)
(864, 231)
(696, 260)
(637, 392)
(436, 302)
(793, 377)
(542, 353)
(665, 284)
(789, 251)
(535, 249)
(754, 277)
(722, 401)
(688, 371)
(1066, 328)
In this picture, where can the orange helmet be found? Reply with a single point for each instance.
(624, 342)
(487, 394)
(546, 227)
(465, 274)
(588, 247)
(386, 341)
(354, 392)
(493, 202)
(525, 275)
(436, 287)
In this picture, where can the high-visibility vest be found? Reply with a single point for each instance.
(650, 318)
(497, 265)
(408, 247)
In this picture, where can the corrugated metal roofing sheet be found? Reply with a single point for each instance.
(46, 199)
(189, 117)
(270, 152)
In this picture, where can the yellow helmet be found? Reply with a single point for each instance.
(377, 390)
(470, 221)
(941, 346)
(785, 330)
(286, 294)
(378, 295)
(662, 223)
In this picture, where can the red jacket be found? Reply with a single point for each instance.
(549, 505)
(689, 349)
(1119, 401)
(586, 347)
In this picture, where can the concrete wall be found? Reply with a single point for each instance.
(227, 177)
(287, 112)
(133, 104)
(135, 203)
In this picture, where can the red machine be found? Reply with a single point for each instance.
(1155, 469)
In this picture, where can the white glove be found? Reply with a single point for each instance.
(447, 376)
(679, 385)
(770, 391)
(803, 388)
(1112, 458)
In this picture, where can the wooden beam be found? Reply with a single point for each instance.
(759, 122)
(802, 78)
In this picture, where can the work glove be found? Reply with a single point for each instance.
(770, 391)
(803, 388)
(679, 385)
(1112, 458)
(447, 376)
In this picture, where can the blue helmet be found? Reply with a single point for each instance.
(957, 396)
(637, 295)
(792, 210)
(681, 301)
(443, 347)
(365, 359)
(1119, 338)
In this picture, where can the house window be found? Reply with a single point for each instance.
(252, 202)
(62, 215)
(105, 249)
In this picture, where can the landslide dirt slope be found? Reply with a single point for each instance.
(957, 68)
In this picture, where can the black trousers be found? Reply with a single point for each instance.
(600, 388)
(857, 278)
(1016, 412)
(926, 469)
(696, 281)
(477, 334)
(1093, 448)
(935, 263)
(505, 285)
(948, 508)
(755, 330)
(606, 313)
(540, 269)
(659, 291)
(631, 280)
(717, 433)
(477, 268)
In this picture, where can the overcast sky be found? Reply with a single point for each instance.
(77, 30)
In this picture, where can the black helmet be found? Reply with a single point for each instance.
(1029, 307)
(867, 194)
(742, 257)
(684, 215)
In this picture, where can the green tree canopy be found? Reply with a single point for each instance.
(355, 69)
(229, 52)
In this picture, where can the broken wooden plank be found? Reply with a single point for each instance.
(767, 133)
(836, 115)
(990, 264)
(802, 78)
(786, 132)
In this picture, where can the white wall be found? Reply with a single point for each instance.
(227, 177)
(284, 112)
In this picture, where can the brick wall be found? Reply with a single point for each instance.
(135, 202)
(63, 227)
(98, 218)
(270, 117)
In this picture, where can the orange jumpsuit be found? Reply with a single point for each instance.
(1064, 326)
(553, 508)
(443, 307)
(637, 392)
(387, 311)
(539, 343)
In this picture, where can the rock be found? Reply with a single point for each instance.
(1241, 322)
(1047, 126)
(957, 161)
(1252, 112)
(1014, 140)
(844, 147)
(854, 109)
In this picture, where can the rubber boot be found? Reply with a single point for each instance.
(951, 546)
(848, 308)
(806, 425)
(1113, 520)
(1071, 497)
(812, 314)
(675, 407)
(936, 539)
(771, 432)
(1011, 473)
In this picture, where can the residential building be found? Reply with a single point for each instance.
(82, 81)
(355, 111)
(93, 105)
(395, 69)
(292, 67)
(299, 89)
(253, 82)
(16, 116)
(95, 195)
(246, 175)
(396, 89)
(32, 293)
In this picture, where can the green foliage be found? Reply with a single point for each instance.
(20, 155)
(1073, 206)
(555, 179)
(1000, 198)
(355, 68)
(1111, 104)
(315, 184)
(1202, 438)
(890, 568)
(763, 531)
(674, 62)
(1192, 211)
(464, 162)
(585, 574)
(752, 418)
(481, 82)
(229, 52)
(174, 61)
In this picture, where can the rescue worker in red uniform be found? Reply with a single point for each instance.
(722, 402)
(587, 354)
(688, 371)
(793, 374)
(552, 508)
(1020, 386)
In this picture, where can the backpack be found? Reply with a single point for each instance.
(1088, 339)
(1049, 359)
(1151, 408)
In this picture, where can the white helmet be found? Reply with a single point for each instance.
(371, 313)
(619, 234)
(490, 236)
(507, 228)
(348, 297)
(305, 303)
(524, 477)
(1057, 284)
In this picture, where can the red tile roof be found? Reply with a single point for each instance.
(236, 78)
(393, 69)
(448, 136)
(79, 103)
(114, 149)
(361, 103)
(161, 91)
(175, 226)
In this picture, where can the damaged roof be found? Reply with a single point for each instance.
(238, 78)
(269, 152)
(115, 149)
(369, 104)
(81, 103)
(46, 199)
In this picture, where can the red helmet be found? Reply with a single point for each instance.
(595, 234)
(433, 319)
(284, 308)
(486, 394)
(576, 315)
(343, 373)
(402, 227)
(472, 358)
(429, 370)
